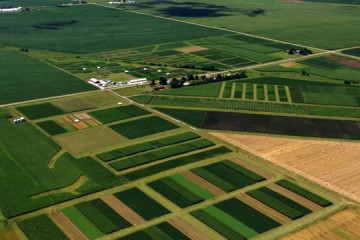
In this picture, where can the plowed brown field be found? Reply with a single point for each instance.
(188, 229)
(66, 226)
(334, 164)
(343, 225)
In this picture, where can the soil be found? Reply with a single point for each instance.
(289, 64)
(203, 183)
(191, 49)
(123, 210)
(66, 226)
(188, 229)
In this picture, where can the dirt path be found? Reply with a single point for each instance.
(333, 164)
(233, 89)
(268, 211)
(222, 89)
(266, 92)
(69, 189)
(66, 226)
(295, 197)
(203, 183)
(123, 210)
(188, 229)
(53, 160)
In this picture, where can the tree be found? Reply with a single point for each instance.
(163, 81)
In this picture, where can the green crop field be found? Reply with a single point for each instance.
(25, 172)
(40, 110)
(270, 19)
(146, 146)
(51, 127)
(25, 78)
(354, 52)
(51, 25)
(119, 113)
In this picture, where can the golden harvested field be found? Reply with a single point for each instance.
(191, 49)
(342, 225)
(334, 164)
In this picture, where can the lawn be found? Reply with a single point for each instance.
(50, 28)
(24, 78)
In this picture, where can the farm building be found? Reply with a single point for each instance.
(7, 10)
(137, 81)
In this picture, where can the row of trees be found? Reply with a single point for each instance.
(197, 80)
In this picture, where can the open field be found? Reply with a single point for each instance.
(282, 125)
(332, 164)
(50, 25)
(90, 140)
(25, 78)
(270, 19)
(342, 225)
(119, 113)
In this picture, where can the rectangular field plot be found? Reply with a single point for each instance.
(40, 110)
(205, 90)
(90, 140)
(279, 202)
(235, 220)
(141, 203)
(227, 175)
(224, 104)
(177, 162)
(85, 21)
(161, 231)
(136, 128)
(296, 126)
(119, 113)
(160, 154)
(180, 190)
(25, 78)
(146, 146)
(51, 127)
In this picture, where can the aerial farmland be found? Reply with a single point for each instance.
(151, 120)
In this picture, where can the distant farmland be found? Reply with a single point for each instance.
(24, 78)
(51, 28)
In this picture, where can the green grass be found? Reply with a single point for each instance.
(51, 127)
(41, 227)
(305, 193)
(118, 113)
(141, 203)
(40, 110)
(160, 154)
(25, 78)
(177, 162)
(154, 125)
(84, 224)
(51, 25)
(279, 202)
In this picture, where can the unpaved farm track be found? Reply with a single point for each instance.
(333, 164)
(346, 222)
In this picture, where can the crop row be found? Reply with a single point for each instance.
(279, 202)
(177, 162)
(227, 175)
(51, 127)
(159, 154)
(146, 146)
(228, 104)
(180, 190)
